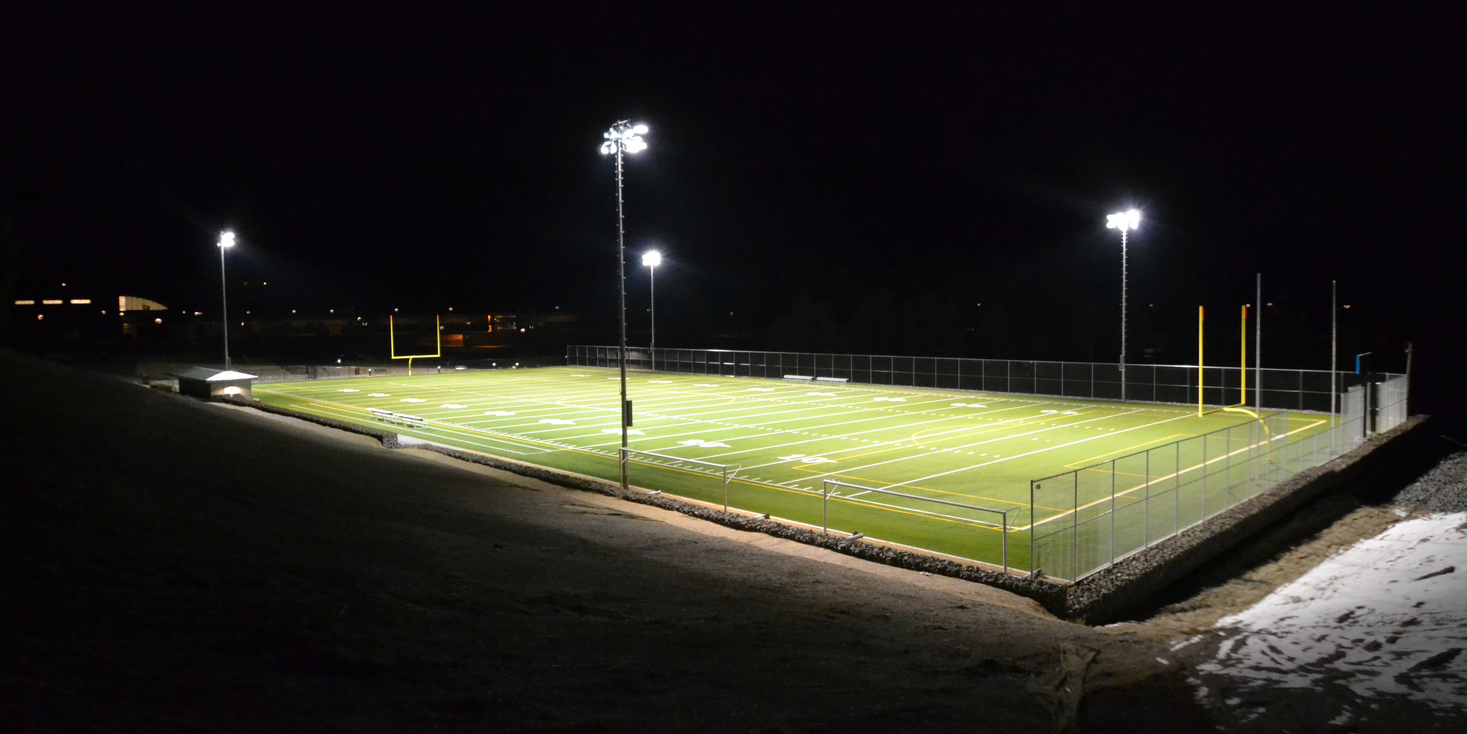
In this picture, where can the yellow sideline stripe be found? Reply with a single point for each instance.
(1086, 462)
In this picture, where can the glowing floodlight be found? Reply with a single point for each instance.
(1126, 220)
(226, 239)
(652, 258)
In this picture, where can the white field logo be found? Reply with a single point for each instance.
(500, 413)
(454, 406)
(822, 394)
(893, 400)
(1060, 412)
(414, 400)
(969, 405)
(630, 431)
(704, 444)
(379, 395)
(350, 389)
(558, 421)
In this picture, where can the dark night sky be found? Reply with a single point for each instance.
(372, 155)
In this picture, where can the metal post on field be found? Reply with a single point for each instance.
(1124, 221)
(725, 489)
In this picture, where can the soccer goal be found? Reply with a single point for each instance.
(722, 471)
(915, 505)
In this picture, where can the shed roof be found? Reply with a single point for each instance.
(210, 375)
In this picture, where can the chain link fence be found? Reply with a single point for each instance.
(1089, 518)
(1273, 389)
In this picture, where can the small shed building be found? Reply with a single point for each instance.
(202, 382)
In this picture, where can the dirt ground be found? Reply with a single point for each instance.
(172, 565)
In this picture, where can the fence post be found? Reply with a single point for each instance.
(1031, 526)
(1005, 516)
(1112, 510)
(1075, 526)
(1177, 488)
(825, 507)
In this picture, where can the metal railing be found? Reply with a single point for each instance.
(1087, 519)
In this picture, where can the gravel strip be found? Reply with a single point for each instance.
(1443, 489)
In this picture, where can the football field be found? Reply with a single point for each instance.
(944, 471)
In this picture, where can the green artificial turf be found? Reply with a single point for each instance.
(786, 437)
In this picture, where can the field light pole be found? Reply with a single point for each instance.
(226, 241)
(652, 259)
(622, 138)
(1125, 222)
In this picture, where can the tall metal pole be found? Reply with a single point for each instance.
(1123, 315)
(224, 293)
(1334, 347)
(654, 316)
(621, 288)
(1258, 347)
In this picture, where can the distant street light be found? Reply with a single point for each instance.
(652, 259)
(1125, 222)
(622, 138)
(226, 241)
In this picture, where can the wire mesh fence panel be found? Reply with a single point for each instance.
(1052, 503)
(1132, 480)
(1391, 399)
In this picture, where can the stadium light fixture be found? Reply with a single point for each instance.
(1124, 221)
(652, 259)
(622, 138)
(226, 241)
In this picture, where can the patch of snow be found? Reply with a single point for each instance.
(414, 400)
(379, 395)
(1383, 618)
(761, 389)
(894, 400)
(558, 421)
(350, 389)
(822, 394)
(500, 413)
(630, 431)
(704, 444)
(455, 406)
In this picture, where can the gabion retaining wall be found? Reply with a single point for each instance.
(1130, 581)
